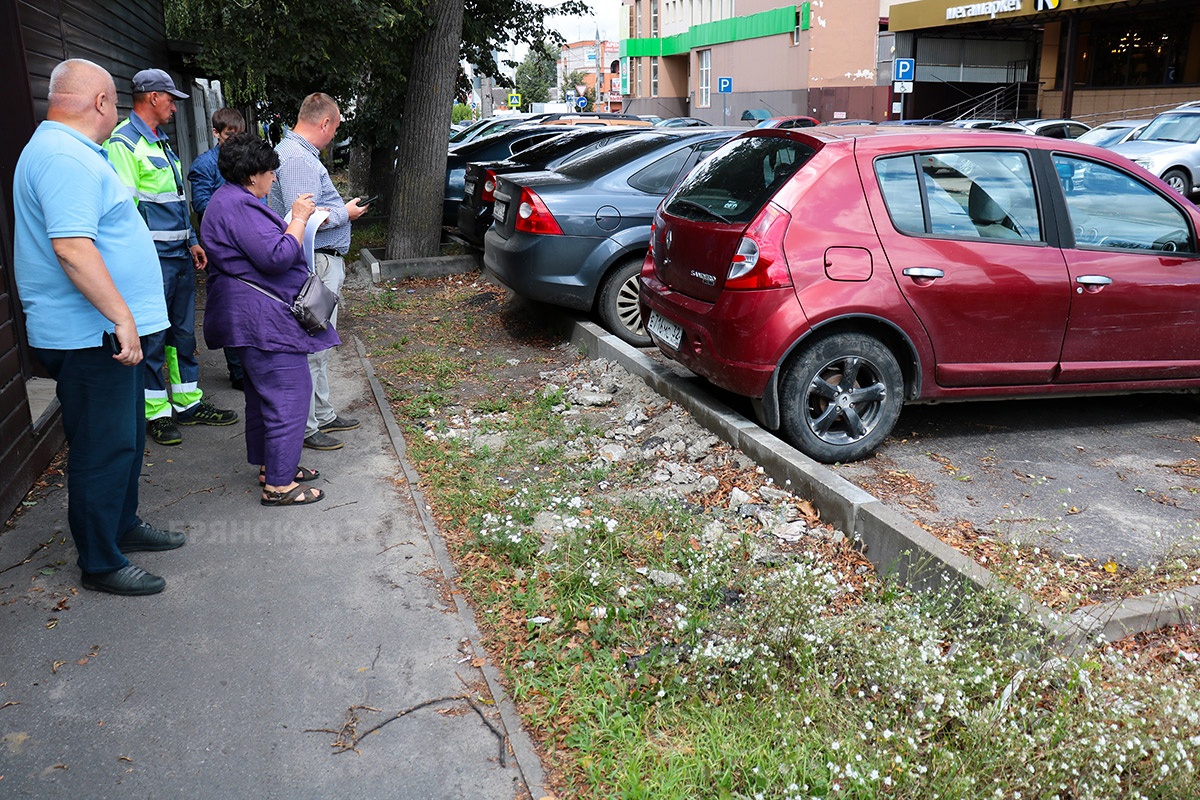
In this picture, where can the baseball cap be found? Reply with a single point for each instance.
(155, 80)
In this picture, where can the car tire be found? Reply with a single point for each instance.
(1178, 180)
(828, 423)
(617, 305)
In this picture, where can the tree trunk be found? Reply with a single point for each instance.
(415, 224)
(360, 170)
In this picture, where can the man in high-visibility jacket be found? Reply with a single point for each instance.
(142, 157)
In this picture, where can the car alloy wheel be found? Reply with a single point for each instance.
(618, 303)
(841, 397)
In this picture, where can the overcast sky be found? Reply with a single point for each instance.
(604, 14)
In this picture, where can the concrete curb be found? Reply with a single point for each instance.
(896, 546)
(528, 763)
(432, 267)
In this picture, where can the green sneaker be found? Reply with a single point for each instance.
(205, 413)
(163, 431)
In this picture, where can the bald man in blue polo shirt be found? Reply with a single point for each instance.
(87, 273)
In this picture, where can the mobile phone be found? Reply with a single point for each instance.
(110, 341)
(366, 201)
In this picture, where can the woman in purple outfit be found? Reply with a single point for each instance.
(248, 243)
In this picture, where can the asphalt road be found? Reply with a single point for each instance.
(1103, 477)
(1100, 477)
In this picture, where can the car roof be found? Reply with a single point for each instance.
(891, 138)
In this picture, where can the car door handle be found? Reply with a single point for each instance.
(1093, 280)
(923, 272)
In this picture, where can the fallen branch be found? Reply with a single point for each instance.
(348, 736)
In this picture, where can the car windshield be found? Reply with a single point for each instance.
(465, 132)
(601, 162)
(735, 182)
(1173, 128)
(1103, 137)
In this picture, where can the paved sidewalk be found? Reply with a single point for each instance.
(274, 622)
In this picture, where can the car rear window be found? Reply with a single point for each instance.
(604, 161)
(561, 145)
(735, 182)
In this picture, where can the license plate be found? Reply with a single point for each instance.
(670, 333)
(499, 210)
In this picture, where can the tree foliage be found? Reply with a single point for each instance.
(537, 74)
(270, 55)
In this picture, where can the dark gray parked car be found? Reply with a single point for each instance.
(577, 236)
(479, 185)
(489, 148)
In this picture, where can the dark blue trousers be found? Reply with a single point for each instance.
(174, 347)
(102, 413)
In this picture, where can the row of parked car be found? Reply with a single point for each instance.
(831, 274)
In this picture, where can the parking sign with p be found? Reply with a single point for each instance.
(904, 69)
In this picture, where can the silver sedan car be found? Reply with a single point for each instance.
(1170, 148)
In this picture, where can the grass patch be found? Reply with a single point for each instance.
(663, 640)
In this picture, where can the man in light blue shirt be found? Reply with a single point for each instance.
(87, 274)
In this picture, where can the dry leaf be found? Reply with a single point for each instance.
(1110, 567)
(478, 662)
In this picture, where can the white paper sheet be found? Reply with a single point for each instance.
(310, 233)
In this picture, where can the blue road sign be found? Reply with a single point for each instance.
(904, 69)
(724, 85)
(581, 102)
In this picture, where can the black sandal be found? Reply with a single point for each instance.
(299, 495)
(302, 474)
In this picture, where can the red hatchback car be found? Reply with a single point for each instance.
(833, 277)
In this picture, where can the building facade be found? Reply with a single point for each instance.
(721, 60)
(597, 64)
(1091, 60)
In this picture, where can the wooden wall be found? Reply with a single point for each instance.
(123, 36)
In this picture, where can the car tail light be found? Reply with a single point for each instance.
(489, 187)
(759, 262)
(534, 217)
(652, 228)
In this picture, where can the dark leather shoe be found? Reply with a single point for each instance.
(322, 441)
(128, 580)
(340, 424)
(144, 536)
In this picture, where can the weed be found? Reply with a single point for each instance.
(663, 642)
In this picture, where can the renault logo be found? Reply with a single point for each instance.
(668, 239)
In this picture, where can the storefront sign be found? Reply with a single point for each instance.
(987, 9)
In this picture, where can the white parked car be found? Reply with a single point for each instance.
(1054, 128)
(1115, 132)
(1170, 148)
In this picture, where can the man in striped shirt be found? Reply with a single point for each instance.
(300, 170)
